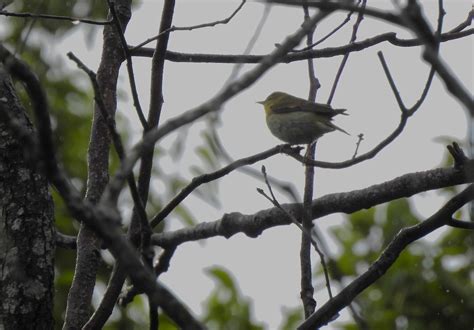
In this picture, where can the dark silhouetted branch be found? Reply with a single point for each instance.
(193, 27)
(205, 178)
(73, 20)
(390, 37)
(348, 202)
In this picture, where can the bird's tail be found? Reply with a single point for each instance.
(341, 112)
(338, 128)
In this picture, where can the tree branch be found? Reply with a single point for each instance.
(128, 58)
(73, 20)
(390, 37)
(348, 202)
(193, 27)
(353, 38)
(205, 178)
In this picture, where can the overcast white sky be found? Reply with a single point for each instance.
(267, 268)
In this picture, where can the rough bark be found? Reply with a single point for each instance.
(27, 236)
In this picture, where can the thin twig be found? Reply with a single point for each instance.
(393, 86)
(205, 178)
(464, 24)
(285, 187)
(429, 80)
(275, 202)
(23, 39)
(327, 36)
(128, 57)
(330, 6)
(305, 231)
(193, 27)
(73, 20)
(251, 43)
(355, 28)
(360, 138)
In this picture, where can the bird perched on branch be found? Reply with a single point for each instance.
(298, 121)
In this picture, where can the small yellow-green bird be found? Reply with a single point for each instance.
(298, 121)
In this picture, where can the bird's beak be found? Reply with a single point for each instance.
(260, 102)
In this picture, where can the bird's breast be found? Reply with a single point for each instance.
(298, 127)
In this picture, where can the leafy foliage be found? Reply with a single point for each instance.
(226, 307)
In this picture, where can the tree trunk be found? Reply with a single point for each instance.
(27, 236)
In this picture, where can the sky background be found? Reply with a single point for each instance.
(267, 268)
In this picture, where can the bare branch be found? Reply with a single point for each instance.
(308, 232)
(390, 37)
(306, 269)
(453, 85)
(460, 224)
(128, 57)
(327, 36)
(355, 28)
(193, 27)
(107, 304)
(329, 6)
(73, 20)
(348, 202)
(281, 185)
(205, 178)
(464, 24)
(360, 138)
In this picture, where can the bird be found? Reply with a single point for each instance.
(298, 121)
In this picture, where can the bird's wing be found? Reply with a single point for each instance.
(305, 106)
